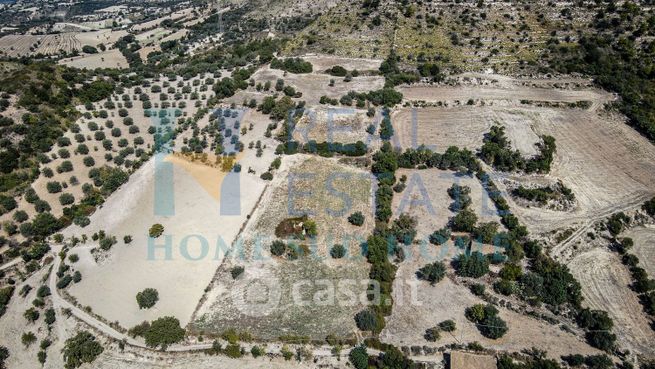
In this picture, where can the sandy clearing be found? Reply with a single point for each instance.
(644, 248)
(605, 284)
(130, 212)
(106, 59)
(447, 300)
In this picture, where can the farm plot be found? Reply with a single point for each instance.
(419, 306)
(344, 125)
(605, 285)
(462, 126)
(426, 198)
(266, 299)
(107, 59)
(607, 165)
(314, 85)
(23, 45)
(644, 248)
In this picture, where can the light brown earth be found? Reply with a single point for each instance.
(19, 45)
(107, 59)
(606, 163)
(344, 125)
(516, 93)
(644, 248)
(605, 285)
(272, 280)
(419, 306)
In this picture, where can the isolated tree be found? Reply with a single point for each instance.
(338, 251)
(147, 298)
(447, 326)
(432, 334)
(432, 273)
(80, 349)
(156, 230)
(356, 218)
(278, 248)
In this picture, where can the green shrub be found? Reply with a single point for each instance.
(236, 271)
(356, 218)
(432, 273)
(156, 230)
(80, 349)
(338, 251)
(147, 298)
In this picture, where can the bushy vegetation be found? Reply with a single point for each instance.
(474, 265)
(432, 273)
(80, 349)
(292, 65)
(147, 298)
(160, 333)
(156, 230)
(487, 320)
(497, 152)
(356, 218)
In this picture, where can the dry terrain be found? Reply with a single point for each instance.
(314, 85)
(644, 248)
(23, 45)
(276, 297)
(426, 198)
(607, 165)
(605, 285)
(419, 306)
(106, 59)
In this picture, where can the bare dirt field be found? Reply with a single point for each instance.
(426, 198)
(605, 283)
(19, 45)
(606, 163)
(267, 299)
(344, 125)
(155, 22)
(107, 59)
(644, 248)
(462, 126)
(430, 305)
(314, 85)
